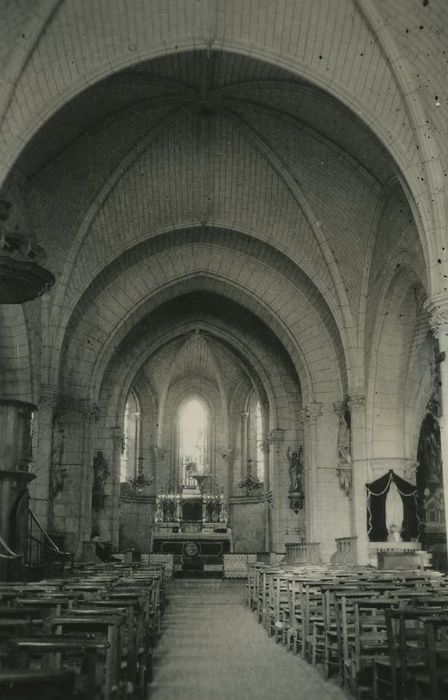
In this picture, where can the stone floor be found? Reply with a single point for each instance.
(212, 648)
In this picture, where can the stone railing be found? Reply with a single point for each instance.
(302, 553)
(377, 551)
(345, 551)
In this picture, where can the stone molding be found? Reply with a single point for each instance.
(356, 400)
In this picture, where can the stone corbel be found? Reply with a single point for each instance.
(276, 436)
(311, 413)
(345, 477)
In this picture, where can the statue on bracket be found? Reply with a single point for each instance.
(57, 472)
(296, 467)
(100, 473)
(295, 459)
(344, 469)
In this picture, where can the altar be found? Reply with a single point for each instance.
(192, 527)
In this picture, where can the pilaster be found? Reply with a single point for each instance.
(310, 417)
(277, 461)
(356, 402)
(437, 308)
(46, 470)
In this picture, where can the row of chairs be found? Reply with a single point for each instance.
(382, 634)
(89, 636)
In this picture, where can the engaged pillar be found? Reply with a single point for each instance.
(311, 414)
(357, 406)
(438, 310)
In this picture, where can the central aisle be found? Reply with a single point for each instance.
(212, 648)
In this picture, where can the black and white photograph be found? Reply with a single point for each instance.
(223, 349)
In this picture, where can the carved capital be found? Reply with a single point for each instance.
(276, 436)
(437, 308)
(356, 400)
(311, 413)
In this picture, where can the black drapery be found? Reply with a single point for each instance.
(376, 507)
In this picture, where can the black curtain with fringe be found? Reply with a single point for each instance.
(376, 512)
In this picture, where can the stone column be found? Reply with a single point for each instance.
(228, 455)
(48, 470)
(159, 475)
(357, 407)
(277, 462)
(244, 442)
(311, 413)
(15, 455)
(118, 438)
(438, 310)
(72, 510)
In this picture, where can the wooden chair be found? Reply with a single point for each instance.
(408, 653)
(370, 641)
(432, 684)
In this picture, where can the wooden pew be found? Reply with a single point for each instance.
(31, 684)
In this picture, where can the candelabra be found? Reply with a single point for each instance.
(140, 480)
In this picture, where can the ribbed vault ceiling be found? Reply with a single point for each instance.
(214, 142)
(209, 82)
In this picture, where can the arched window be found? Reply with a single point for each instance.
(253, 436)
(193, 421)
(131, 432)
